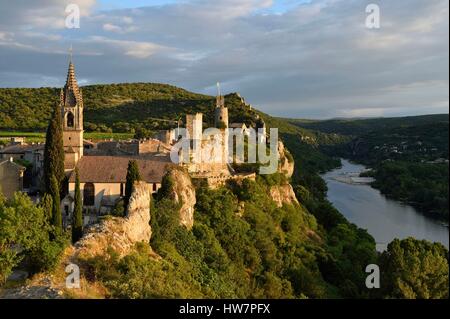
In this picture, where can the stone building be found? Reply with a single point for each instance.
(208, 156)
(103, 179)
(32, 154)
(11, 177)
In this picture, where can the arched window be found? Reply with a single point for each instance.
(89, 194)
(70, 120)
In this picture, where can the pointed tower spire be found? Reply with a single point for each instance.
(71, 94)
(71, 105)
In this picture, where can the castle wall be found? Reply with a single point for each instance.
(109, 192)
(194, 126)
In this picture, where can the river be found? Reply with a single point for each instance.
(384, 219)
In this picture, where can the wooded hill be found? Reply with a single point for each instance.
(116, 107)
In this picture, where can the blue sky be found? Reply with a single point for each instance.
(295, 58)
(279, 6)
(120, 4)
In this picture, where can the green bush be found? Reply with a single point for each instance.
(25, 232)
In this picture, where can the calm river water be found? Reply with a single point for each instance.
(383, 218)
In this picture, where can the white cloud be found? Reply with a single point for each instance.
(134, 49)
(112, 28)
(315, 59)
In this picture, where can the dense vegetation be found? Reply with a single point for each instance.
(423, 185)
(27, 237)
(122, 108)
(241, 246)
(415, 270)
(357, 127)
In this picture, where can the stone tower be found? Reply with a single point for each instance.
(71, 104)
(221, 111)
(221, 122)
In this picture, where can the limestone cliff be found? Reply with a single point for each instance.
(121, 234)
(286, 162)
(283, 194)
(182, 191)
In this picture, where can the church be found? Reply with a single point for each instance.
(102, 175)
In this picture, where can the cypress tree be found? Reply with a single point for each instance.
(47, 205)
(56, 206)
(54, 152)
(77, 218)
(133, 176)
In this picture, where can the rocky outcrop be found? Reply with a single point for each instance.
(121, 234)
(182, 191)
(286, 162)
(283, 194)
(32, 292)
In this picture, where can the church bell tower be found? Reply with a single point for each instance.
(71, 104)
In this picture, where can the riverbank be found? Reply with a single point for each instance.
(354, 178)
(422, 185)
(384, 218)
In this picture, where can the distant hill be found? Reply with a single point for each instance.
(357, 127)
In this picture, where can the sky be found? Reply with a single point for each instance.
(293, 58)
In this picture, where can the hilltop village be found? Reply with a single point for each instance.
(102, 166)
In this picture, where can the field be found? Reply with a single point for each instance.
(40, 136)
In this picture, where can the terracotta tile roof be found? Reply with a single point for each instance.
(113, 169)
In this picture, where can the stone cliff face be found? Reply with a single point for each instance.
(183, 193)
(283, 194)
(286, 163)
(121, 234)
